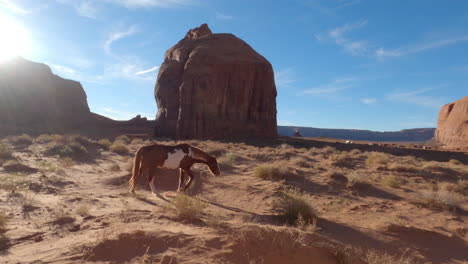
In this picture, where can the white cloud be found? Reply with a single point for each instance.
(65, 71)
(12, 7)
(383, 53)
(369, 100)
(87, 9)
(224, 16)
(334, 86)
(284, 77)
(152, 69)
(118, 36)
(132, 70)
(81, 62)
(355, 47)
(121, 115)
(418, 97)
(285, 123)
(150, 3)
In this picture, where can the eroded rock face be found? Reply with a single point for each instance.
(30, 94)
(452, 126)
(215, 86)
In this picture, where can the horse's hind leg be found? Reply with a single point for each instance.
(151, 180)
(190, 174)
(181, 179)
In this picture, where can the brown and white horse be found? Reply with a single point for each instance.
(181, 156)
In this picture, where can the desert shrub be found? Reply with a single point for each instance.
(62, 217)
(268, 172)
(122, 138)
(5, 151)
(377, 158)
(47, 166)
(73, 150)
(294, 207)
(137, 141)
(328, 150)
(355, 152)
(83, 210)
(391, 181)
(119, 147)
(439, 198)
(43, 138)
(23, 139)
(214, 148)
(455, 162)
(188, 207)
(434, 165)
(13, 183)
(233, 157)
(3, 222)
(28, 202)
(114, 167)
(355, 178)
(66, 162)
(374, 257)
(300, 161)
(104, 143)
(402, 167)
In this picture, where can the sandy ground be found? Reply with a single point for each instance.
(81, 211)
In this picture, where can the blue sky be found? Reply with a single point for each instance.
(362, 64)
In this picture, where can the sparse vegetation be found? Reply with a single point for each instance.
(232, 157)
(374, 257)
(13, 183)
(23, 139)
(300, 161)
(104, 143)
(119, 148)
(83, 210)
(268, 172)
(443, 198)
(187, 207)
(137, 141)
(122, 138)
(3, 222)
(62, 217)
(294, 207)
(5, 151)
(114, 167)
(391, 181)
(66, 162)
(377, 158)
(28, 201)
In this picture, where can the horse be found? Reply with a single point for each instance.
(181, 156)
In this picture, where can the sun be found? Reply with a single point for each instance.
(14, 40)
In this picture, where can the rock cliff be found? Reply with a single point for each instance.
(452, 125)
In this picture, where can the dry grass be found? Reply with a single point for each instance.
(28, 201)
(300, 161)
(442, 198)
(187, 207)
(377, 158)
(392, 181)
(403, 167)
(119, 147)
(13, 183)
(3, 222)
(114, 167)
(374, 257)
(122, 138)
(83, 210)
(66, 162)
(5, 151)
(137, 141)
(47, 166)
(269, 172)
(62, 217)
(294, 208)
(23, 139)
(104, 143)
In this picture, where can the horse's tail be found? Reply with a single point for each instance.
(136, 171)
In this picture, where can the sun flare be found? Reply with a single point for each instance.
(14, 39)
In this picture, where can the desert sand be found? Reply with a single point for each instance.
(72, 205)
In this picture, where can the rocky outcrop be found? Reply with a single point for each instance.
(30, 94)
(452, 125)
(215, 86)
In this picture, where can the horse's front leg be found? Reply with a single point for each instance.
(181, 179)
(190, 174)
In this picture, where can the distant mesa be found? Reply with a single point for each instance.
(416, 134)
(34, 100)
(215, 86)
(452, 125)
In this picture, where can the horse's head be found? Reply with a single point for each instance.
(213, 165)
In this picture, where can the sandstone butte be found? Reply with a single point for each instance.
(30, 94)
(452, 125)
(215, 86)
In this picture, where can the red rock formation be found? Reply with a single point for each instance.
(215, 86)
(31, 94)
(452, 126)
